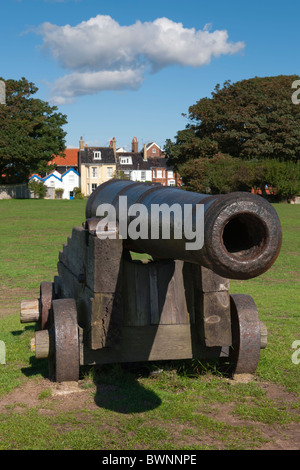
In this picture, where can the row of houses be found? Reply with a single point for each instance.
(88, 167)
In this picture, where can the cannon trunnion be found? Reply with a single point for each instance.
(104, 307)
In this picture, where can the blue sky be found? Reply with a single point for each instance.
(125, 68)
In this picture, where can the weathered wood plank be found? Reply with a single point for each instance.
(106, 320)
(152, 343)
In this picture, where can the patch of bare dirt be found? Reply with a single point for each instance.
(71, 396)
(66, 396)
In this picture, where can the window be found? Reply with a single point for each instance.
(154, 150)
(94, 186)
(94, 172)
(143, 175)
(126, 160)
(170, 174)
(71, 178)
(159, 174)
(97, 155)
(109, 172)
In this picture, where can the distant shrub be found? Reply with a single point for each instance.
(38, 188)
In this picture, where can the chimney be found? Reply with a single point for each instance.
(81, 144)
(145, 152)
(135, 145)
(113, 144)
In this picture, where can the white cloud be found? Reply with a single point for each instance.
(66, 88)
(103, 55)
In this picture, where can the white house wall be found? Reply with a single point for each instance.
(67, 181)
(71, 180)
(136, 175)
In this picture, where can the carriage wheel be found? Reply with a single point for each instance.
(246, 334)
(64, 357)
(46, 297)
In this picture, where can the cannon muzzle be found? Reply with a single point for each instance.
(241, 231)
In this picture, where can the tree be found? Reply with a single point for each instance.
(253, 118)
(222, 174)
(283, 178)
(219, 174)
(246, 123)
(30, 132)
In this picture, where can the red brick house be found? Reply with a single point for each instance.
(153, 150)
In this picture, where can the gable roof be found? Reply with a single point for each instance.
(70, 159)
(70, 170)
(152, 143)
(52, 175)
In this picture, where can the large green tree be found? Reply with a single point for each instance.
(253, 118)
(241, 126)
(31, 132)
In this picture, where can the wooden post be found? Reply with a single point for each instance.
(42, 344)
(212, 308)
(30, 311)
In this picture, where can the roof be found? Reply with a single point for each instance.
(52, 175)
(70, 170)
(152, 143)
(107, 155)
(159, 162)
(70, 159)
(55, 174)
(138, 162)
(35, 175)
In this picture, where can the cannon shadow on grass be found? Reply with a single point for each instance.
(118, 389)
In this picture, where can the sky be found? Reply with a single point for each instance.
(125, 68)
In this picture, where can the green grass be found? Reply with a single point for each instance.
(32, 233)
(277, 296)
(188, 405)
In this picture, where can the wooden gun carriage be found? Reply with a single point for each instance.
(104, 307)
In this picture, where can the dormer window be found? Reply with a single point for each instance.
(125, 160)
(97, 155)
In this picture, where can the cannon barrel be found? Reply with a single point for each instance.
(242, 231)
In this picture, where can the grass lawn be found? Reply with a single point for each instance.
(187, 405)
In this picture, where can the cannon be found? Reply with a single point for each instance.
(105, 307)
